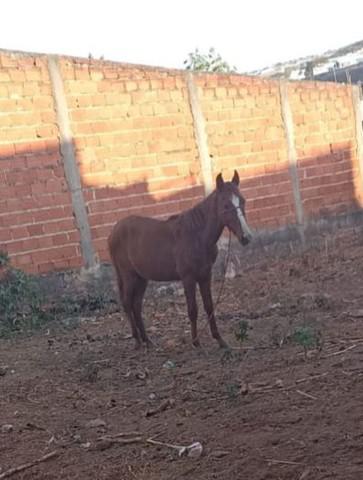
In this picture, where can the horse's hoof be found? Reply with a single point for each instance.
(149, 344)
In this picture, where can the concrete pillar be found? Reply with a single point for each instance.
(200, 135)
(70, 163)
(292, 157)
(358, 113)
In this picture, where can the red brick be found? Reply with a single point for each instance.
(65, 252)
(41, 256)
(42, 102)
(46, 131)
(130, 86)
(82, 74)
(4, 77)
(5, 234)
(33, 75)
(7, 150)
(58, 227)
(45, 267)
(45, 242)
(22, 260)
(24, 104)
(7, 105)
(169, 83)
(19, 232)
(35, 230)
(8, 60)
(3, 91)
(75, 262)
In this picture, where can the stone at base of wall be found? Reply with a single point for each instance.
(101, 281)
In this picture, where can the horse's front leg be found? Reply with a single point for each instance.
(190, 294)
(205, 290)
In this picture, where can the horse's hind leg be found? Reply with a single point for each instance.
(126, 286)
(190, 294)
(140, 287)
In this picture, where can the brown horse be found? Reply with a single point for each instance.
(184, 247)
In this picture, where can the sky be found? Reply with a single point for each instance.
(248, 34)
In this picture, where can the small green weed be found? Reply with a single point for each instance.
(242, 333)
(233, 390)
(306, 337)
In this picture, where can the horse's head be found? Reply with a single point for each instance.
(231, 208)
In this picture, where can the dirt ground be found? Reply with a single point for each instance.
(268, 410)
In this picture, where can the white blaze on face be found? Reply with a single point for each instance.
(245, 228)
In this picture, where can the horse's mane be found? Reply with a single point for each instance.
(195, 218)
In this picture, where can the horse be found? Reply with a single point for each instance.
(180, 248)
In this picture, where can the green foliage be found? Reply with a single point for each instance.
(20, 300)
(77, 305)
(227, 356)
(4, 259)
(233, 390)
(305, 337)
(242, 333)
(209, 62)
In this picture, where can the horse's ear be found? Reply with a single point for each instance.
(219, 181)
(235, 178)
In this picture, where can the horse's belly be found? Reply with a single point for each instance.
(153, 261)
(153, 270)
(164, 276)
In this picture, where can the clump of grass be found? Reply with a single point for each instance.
(306, 337)
(233, 390)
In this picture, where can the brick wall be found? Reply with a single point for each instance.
(326, 147)
(135, 145)
(134, 139)
(245, 131)
(36, 222)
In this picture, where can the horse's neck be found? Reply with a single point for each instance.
(212, 229)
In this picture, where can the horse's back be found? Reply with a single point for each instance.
(136, 225)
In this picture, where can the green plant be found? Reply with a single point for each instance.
(227, 356)
(306, 337)
(242, 333)
(4, 259)
(233, 390)
(209, 62)
(20, 300)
